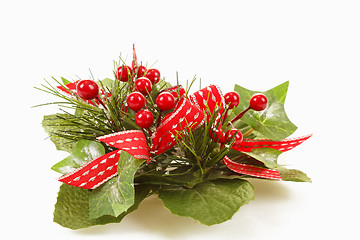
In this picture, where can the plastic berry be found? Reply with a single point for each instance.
(143, 85)
(165, 101)
(124, 73)
(238, 137)
(232, 99)
(135, 101)
(258, 102)
(153, 75)
(140, 71)
(144, 118)
(87, 89)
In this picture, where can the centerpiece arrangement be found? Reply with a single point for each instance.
(137, 135)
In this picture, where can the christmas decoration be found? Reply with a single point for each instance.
(137, 135)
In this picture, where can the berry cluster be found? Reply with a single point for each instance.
(136, 100)
(258, 102)
(141, 82)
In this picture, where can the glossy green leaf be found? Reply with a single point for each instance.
(118, 194)
(83, 152)
(209, 202)
(272, 122)
(72, 207)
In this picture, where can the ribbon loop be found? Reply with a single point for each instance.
(132, 141)
(185, 117)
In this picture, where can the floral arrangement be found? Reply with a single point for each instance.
(137, 135)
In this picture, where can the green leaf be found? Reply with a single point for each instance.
(209, 202)
(53, 124)
(83, 152)
(268, 156)
(272, 122)
(72, 207)
(293, 175)
(116, 195)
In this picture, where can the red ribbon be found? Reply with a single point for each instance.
(96, 172)
(188, 114)
(285, 145)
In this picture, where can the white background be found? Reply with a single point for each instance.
(257, 44)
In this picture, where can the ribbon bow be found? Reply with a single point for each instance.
(189, 113)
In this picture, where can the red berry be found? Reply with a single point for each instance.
(258, 102)
(143, 85)
(165, 101)
(87, 89)
(135, 101)
(140, 71)
(219, 135)
(153, 75)
(232, 99)
(124, 73)
(144, 118)
(238, 138)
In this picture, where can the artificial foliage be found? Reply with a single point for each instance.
(134, 135)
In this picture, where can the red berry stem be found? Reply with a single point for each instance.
(101, 102)
(149, 131)
(240, 115)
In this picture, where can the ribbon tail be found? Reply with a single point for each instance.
(93, 173)
(285, 145)
(251, 170)
(185, 117)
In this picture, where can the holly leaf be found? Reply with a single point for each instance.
(293, 175)
(209, 202)
(72, 207)
(83, 152)
(117, 195)
(55, 123)
(272, 122)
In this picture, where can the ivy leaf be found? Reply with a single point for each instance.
(83, 152)
(72, 207)
(272, 122)
(53, 124)
(293, 175)
(117, 195)
(209, 202)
